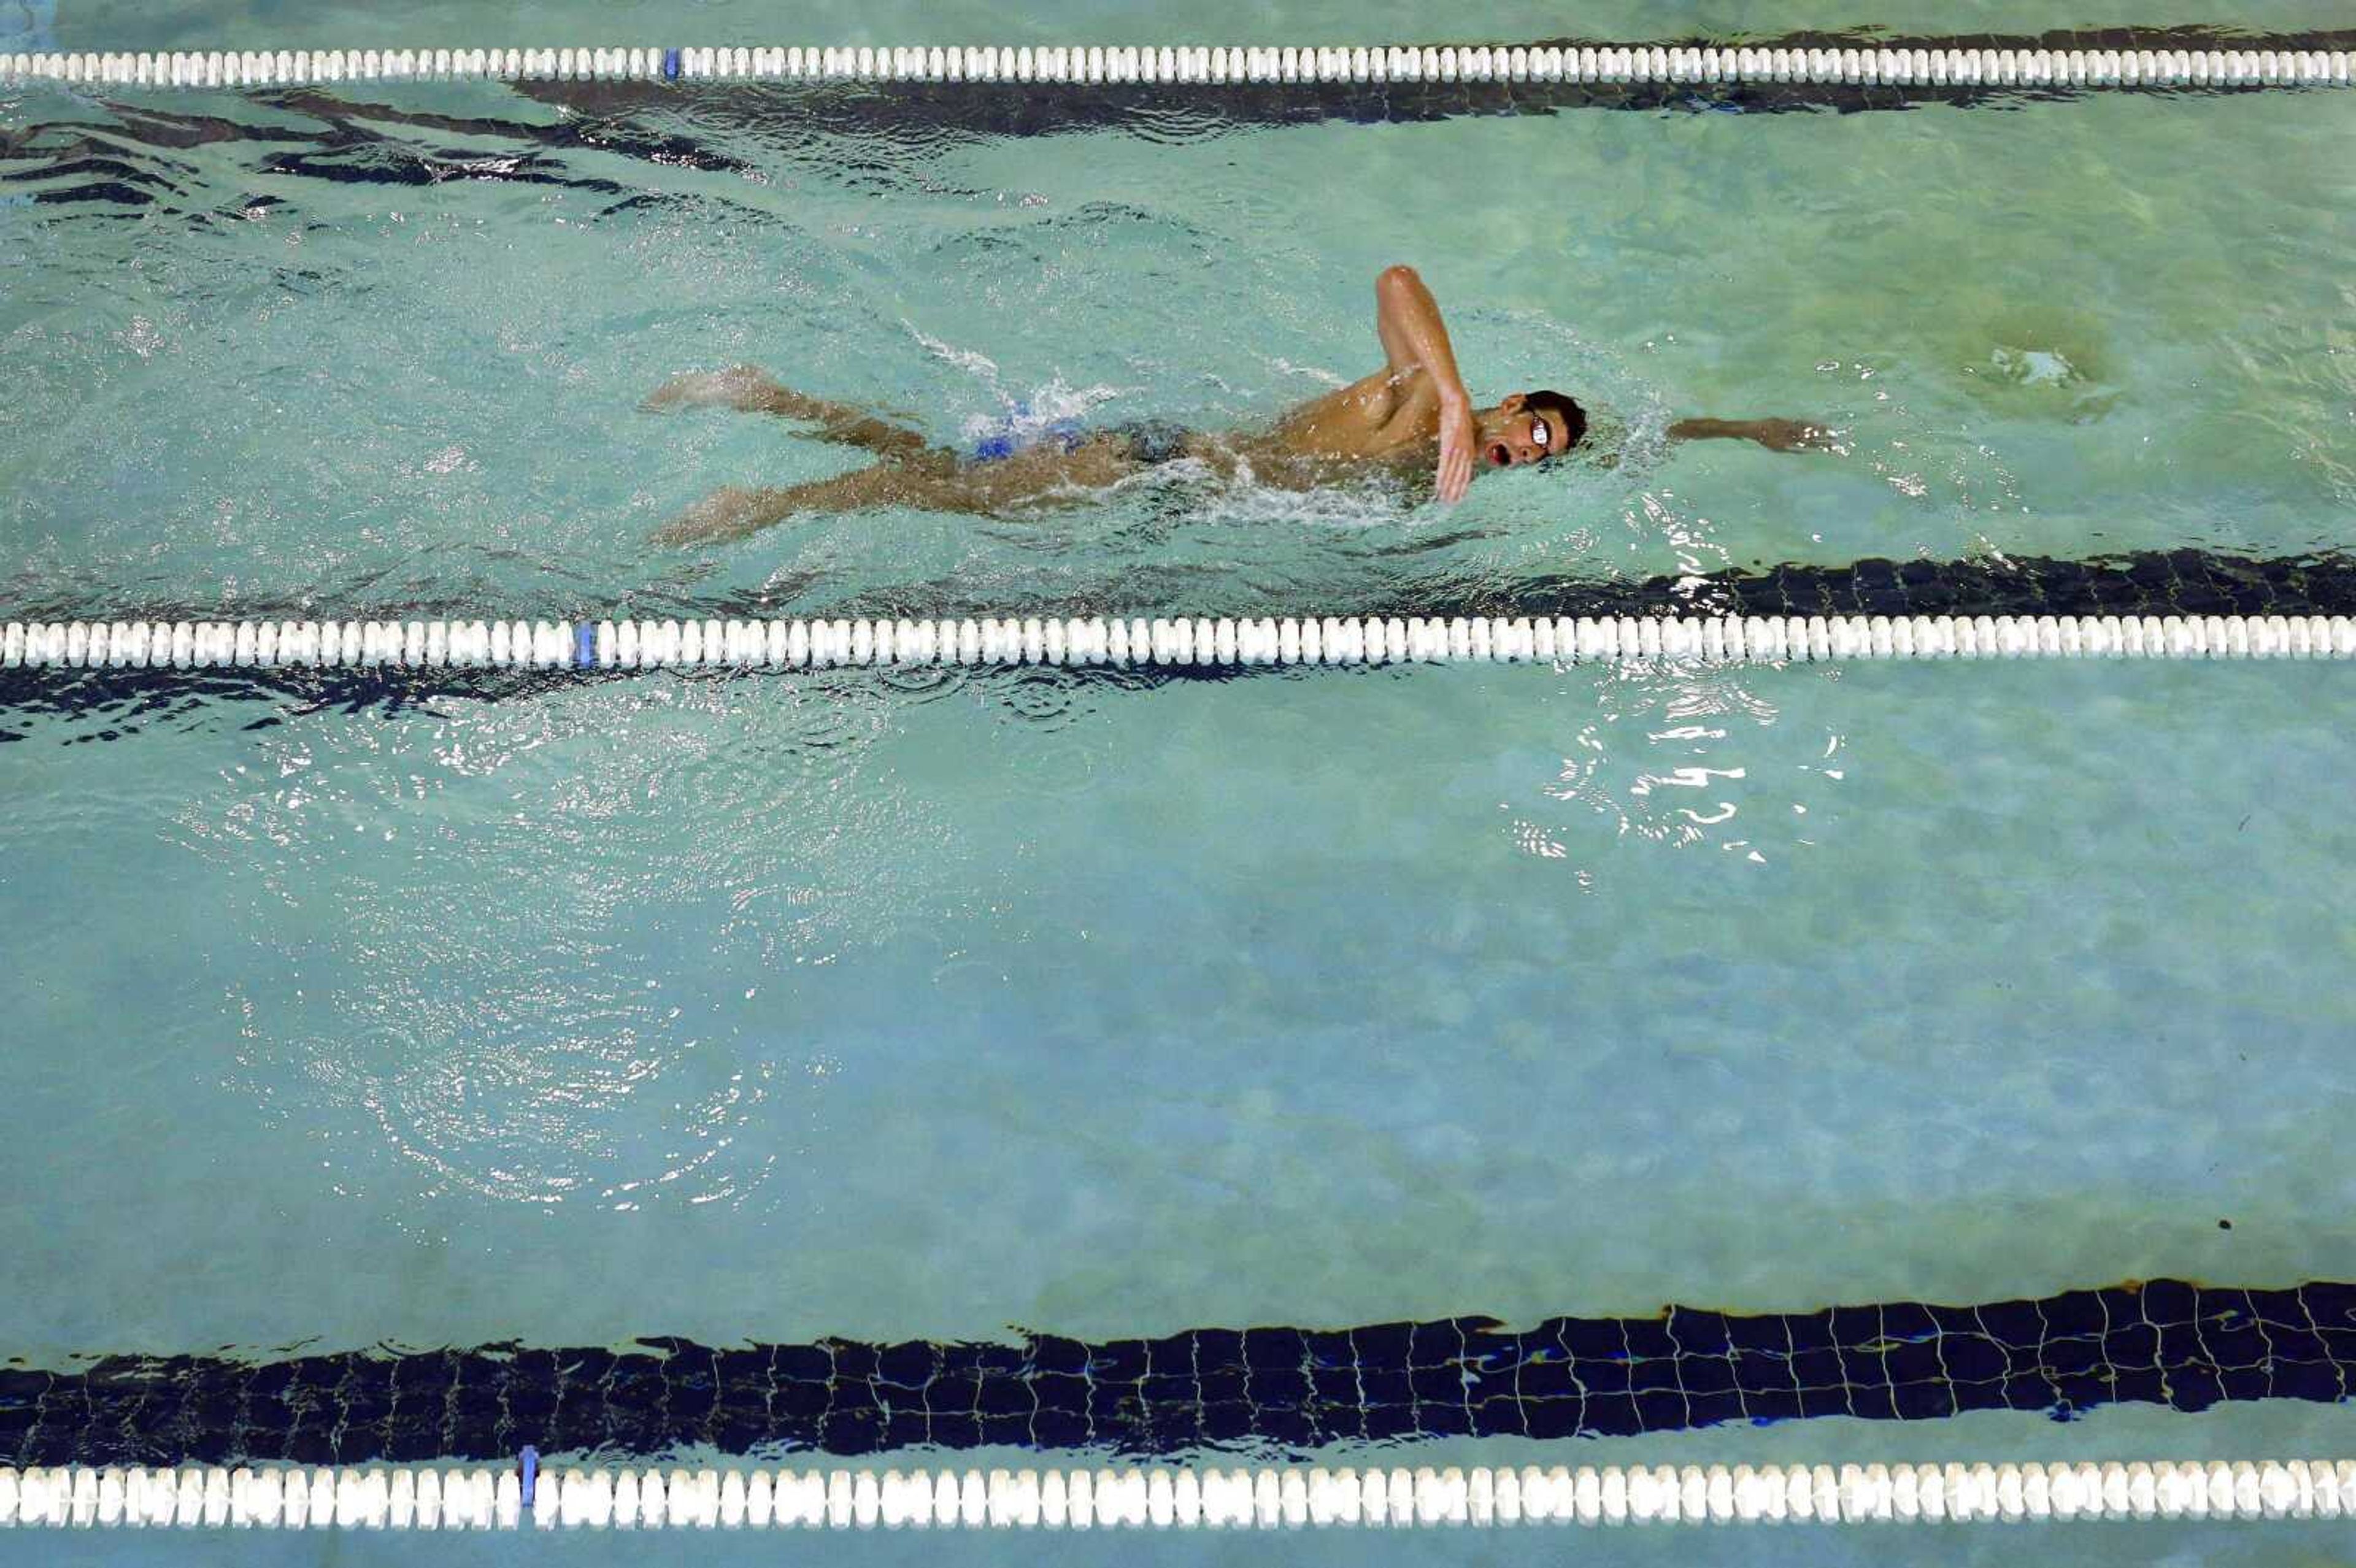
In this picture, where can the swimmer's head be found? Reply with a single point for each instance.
(1530, 427)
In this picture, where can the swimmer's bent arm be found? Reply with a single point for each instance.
(1407, 318)
(1776, 436)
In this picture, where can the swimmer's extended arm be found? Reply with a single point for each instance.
(1776, 436)
(1407, 320)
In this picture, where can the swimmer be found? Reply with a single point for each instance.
(1412, 415)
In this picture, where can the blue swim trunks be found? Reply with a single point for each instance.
(1149, 443)
(1005, 443)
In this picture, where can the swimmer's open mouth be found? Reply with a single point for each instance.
(1499, 457)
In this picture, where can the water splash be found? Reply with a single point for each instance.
(1683, 757)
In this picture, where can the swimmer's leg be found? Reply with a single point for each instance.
(752, 391)
(930, 481)
(733, 513)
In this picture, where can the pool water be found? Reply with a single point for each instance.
(335, 355)
(941, 1003)
(2269, 1544)
(1442, 991)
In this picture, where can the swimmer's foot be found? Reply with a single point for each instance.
(741, 386)
(726, 515)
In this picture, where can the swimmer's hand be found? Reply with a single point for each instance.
(1456, 443)
(721, 517)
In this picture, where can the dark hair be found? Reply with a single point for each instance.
(1574, 418)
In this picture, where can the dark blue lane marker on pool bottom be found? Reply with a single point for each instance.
(1260, 1391)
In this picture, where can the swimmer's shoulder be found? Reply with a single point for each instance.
(1399, 407)
(1368, 404)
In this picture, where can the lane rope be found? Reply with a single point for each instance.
(1270, 1498)
(1603, 64)
(1159, 642)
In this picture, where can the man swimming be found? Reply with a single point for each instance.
(1413, 414)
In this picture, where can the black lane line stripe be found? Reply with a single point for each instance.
(1262, 1391)
(2184, 581)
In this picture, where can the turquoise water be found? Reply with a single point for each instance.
(783, 1007)
(2035, 334)
(789, 1006)
(2228, 1546)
